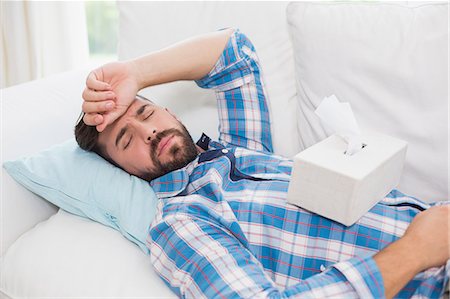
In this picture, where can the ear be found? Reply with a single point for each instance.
(170, 112)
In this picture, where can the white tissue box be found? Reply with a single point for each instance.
(341, 187)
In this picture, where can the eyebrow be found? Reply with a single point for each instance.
(125, 129)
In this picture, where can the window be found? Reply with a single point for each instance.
(102, 25)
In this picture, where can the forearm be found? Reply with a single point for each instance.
(213, 264)
(398, 264)
(190, 59)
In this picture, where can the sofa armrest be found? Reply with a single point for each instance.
(34, 116)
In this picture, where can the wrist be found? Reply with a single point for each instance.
(412, 253)
(136, 73)
(398, 263)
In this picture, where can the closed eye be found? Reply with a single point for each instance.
(149, 115)
(128, 143)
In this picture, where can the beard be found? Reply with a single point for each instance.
(180, 155)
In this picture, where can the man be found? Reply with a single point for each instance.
(223, 228)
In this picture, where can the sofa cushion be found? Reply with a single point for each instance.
(72, 257)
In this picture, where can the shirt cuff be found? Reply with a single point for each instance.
(364, 275)
(231, 70)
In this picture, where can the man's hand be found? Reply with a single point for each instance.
(109, 91)
(430, 234)
(424, 245)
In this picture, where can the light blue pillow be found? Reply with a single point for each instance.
(85, 184)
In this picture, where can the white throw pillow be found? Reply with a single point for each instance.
(70, 256)
(150, 26)
(389, 61)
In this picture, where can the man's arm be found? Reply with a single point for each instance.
(200, 259)
(237, 79)
(117, 83)
(190, 59)
(426, 244)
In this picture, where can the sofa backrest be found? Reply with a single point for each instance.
(149, 26)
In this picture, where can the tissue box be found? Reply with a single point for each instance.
(341, 187)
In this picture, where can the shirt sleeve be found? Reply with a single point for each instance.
(197, 258)
(241, 98)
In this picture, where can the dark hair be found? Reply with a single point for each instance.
(87, 136)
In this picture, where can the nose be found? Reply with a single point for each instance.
(149, 135)
(146, 131)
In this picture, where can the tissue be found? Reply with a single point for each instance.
(339, 118)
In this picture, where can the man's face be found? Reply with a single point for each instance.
(148, 141)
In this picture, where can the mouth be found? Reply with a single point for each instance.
(164, 144)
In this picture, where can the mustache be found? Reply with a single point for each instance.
(159, 136)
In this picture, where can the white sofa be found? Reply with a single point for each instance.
(388, 60)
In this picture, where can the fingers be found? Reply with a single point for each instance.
(107, 119)
(93, 96)
(98, 99)
(97, 120)
(101, 121)
(92, 119)
(94, 81)
(97, 107)
(101, 127)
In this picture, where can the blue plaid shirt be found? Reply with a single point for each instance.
(223, 228)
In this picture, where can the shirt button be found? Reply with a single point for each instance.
(224, 151)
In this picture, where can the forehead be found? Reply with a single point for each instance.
(132, 109)
(135, 105)
(110, 130)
